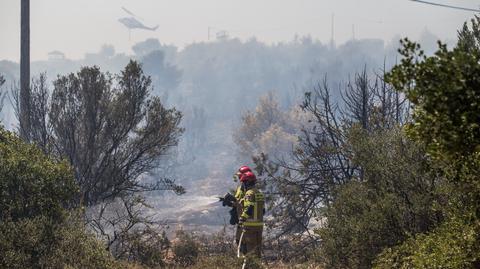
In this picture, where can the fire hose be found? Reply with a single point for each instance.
(238, 250)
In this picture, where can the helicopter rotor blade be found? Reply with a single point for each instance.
(131, 13)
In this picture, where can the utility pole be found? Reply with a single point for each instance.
(332, 38)
(24, 109)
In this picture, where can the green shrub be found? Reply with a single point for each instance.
(452, 245)
(37, 228)
(444, 90)
(76, 248)
(31, 184)
(392, 201)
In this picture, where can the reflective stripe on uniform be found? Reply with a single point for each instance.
(257, 206)
(252, 224)
(253, 199)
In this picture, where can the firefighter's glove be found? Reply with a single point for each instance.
(241, 221)
(233, 216)
(221, 199)
(228, 200)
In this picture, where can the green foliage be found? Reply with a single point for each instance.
(454, 244)
(445, 92)
(36, 229)
(31, 184)
(469, 36)
(39, 242)
(392, 201)
(78, 248)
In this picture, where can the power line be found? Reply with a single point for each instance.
(447, 6)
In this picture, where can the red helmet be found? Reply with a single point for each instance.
(243, 169)
(248, 177)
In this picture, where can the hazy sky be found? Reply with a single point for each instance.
(77, 27)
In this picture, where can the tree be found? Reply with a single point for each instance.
(442, 118)
(359, 100)
(112, 134)
(165, 76)
(469, 36)
(308, 185)
(269, 129)
(145, 47)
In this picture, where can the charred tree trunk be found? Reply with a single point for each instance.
(25, 70)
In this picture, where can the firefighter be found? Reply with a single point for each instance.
(233, 201)
(251, 217)
(239, 194)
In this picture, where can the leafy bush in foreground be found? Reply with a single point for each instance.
(454, 244)
(37, 229)
(445, 91)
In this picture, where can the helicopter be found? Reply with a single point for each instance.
(133, 22)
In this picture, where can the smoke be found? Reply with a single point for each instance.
(213, 84)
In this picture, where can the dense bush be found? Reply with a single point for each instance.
(445, 91)
(37, 229)
(31, 184)
(393, 200)
(454, 244)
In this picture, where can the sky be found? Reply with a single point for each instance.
(78, 27)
